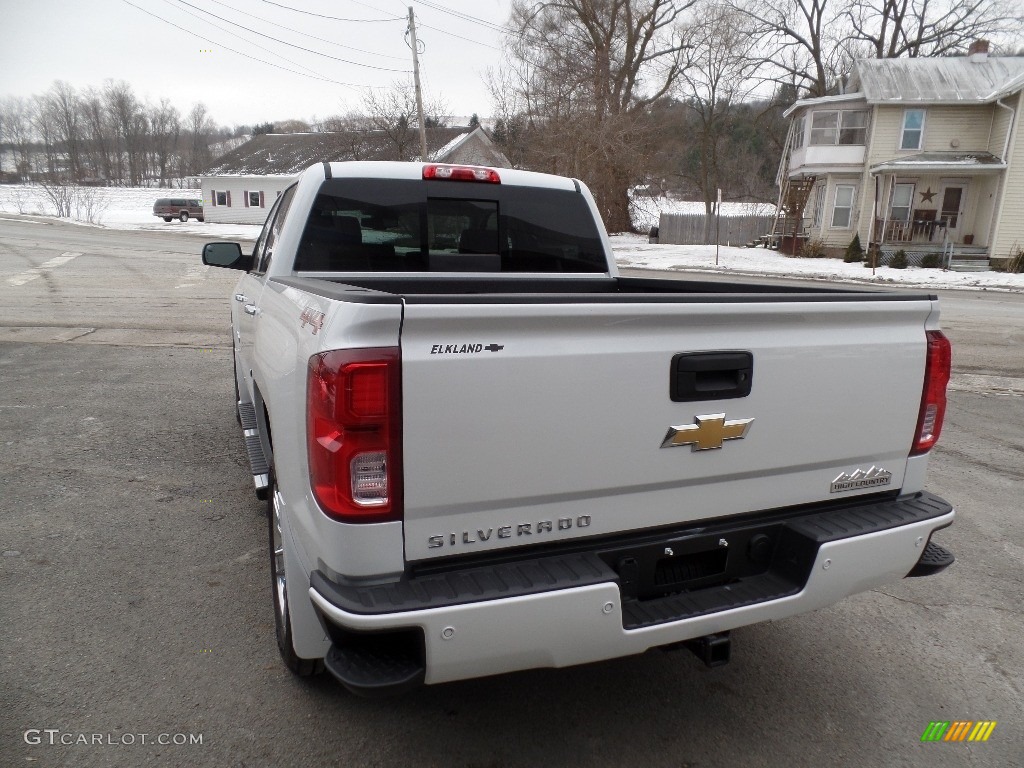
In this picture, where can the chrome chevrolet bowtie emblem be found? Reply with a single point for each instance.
(709, 432)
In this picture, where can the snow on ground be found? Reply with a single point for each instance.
(121, 208)
(635, 252)
(132, 208)
(646, 211)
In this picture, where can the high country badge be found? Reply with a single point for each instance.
(875, 477)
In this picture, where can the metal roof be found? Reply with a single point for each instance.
(286, 154)
(979, 78)
(943, 162)
(839, 99)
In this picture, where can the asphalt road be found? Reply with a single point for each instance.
(135, 590)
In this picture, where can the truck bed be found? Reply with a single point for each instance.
(426, 289)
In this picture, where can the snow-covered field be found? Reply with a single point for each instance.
(120, 208)
(132, 208)
(634, 251)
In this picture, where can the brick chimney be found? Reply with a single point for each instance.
(978, 51)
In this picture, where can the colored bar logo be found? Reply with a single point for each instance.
(959, 730)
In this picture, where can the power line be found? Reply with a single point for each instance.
(240, 53)
(460, 37)
(292, 45)
(335, 18)
(426, 26)
(227, 31)
(375, 8)
(306, 34)
(467, 17)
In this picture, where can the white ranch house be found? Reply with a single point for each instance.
(242, 184)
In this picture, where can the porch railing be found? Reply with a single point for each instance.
(922, 231)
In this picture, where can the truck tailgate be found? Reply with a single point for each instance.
(534, 422)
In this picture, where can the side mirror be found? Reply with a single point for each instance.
(225, 255)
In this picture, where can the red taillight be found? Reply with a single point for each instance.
(933, 400)
(461, 173)
(354, 433)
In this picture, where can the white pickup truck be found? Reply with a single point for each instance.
(484, 450)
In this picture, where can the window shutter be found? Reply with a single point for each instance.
(213, 198)
(245, 197)
(228, 195)
(261, 199)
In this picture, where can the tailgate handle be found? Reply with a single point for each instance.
(710, 376)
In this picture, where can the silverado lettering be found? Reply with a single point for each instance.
(505, 531)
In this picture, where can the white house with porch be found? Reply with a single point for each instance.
(923, 155)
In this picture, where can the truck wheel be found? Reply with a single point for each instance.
(167, 219)
(183, 216)
(282, 619)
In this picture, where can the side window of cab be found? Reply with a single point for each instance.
(264, 251)
(261, 241)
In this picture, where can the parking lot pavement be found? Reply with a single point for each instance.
(136, 603)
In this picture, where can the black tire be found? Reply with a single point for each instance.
(168, 219)
(183, 216)
(282, 618)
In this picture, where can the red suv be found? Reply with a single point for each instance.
(181, 208)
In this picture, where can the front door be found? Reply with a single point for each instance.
(951, 210)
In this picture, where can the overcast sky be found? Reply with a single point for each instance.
(86, 43)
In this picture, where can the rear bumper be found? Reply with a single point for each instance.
(576, 608)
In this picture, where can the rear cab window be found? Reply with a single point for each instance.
(399, 225)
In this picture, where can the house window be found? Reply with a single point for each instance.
(839, 127)
(913, 129)
(842, 208)
(902, 202)
(798, 132)
(255, 199)
(824, 128)
(853, 127)
(221, 198)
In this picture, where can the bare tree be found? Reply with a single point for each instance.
(811, 44)
(713, 88)
(64, 113)
(802, 41)
(100, 131)
(198, 126)
(165, 123)
(129, 121)
(393, 111)
(107, 133)
(348, 134)
(17, 131)
(584, 74)
(42, 124)
(894, 28)
(291, 126)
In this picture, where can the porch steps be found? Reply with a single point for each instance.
(968, 259)
(969, 264)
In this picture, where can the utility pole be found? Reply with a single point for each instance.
(416, 79)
